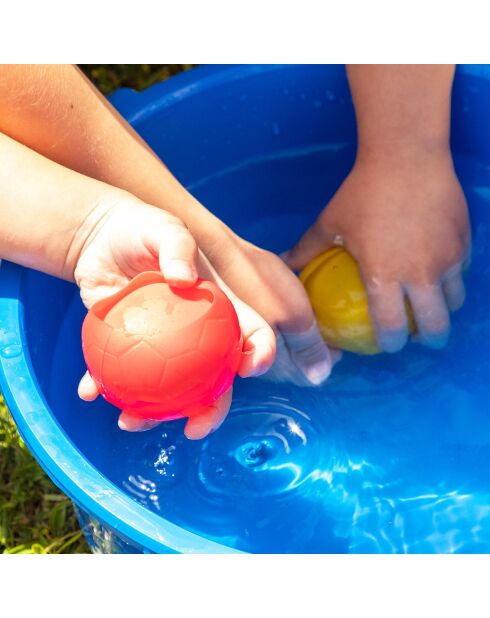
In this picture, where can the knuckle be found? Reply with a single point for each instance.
(377, 271)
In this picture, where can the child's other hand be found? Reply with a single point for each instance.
(263, 281)
(405, 221)
(123, 237)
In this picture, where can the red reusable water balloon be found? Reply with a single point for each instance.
(160, 352)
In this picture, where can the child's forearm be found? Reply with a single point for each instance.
(45, 210)
(56, 111)
(401, 108)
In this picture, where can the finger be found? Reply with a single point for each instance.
(87, 388)
(129, 422)
(430, 313)
(200, 426)
(283, 369)
(313, 242)
(310, 354)
(259, 342)
(388, 314)
(453, 288)
(176, 249)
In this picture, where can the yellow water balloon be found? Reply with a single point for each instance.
(337, 294)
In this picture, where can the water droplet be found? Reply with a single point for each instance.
(10, 351)
(164, 463)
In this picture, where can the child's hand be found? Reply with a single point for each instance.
(122, 238)
(405, 221)
(261, 279)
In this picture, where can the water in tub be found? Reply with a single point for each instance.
(391, 455)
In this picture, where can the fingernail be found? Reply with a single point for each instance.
(319, 372)
(392, 341)
(178, 269)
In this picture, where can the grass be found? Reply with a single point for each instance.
(109, 77)
(35, 516)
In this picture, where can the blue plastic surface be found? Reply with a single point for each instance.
(392, 455)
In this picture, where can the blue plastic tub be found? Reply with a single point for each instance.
(392, 455)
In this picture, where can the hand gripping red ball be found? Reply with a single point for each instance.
(160, 352)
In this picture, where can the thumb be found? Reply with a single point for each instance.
(176, 248)
(310, 354)
(313, 242)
